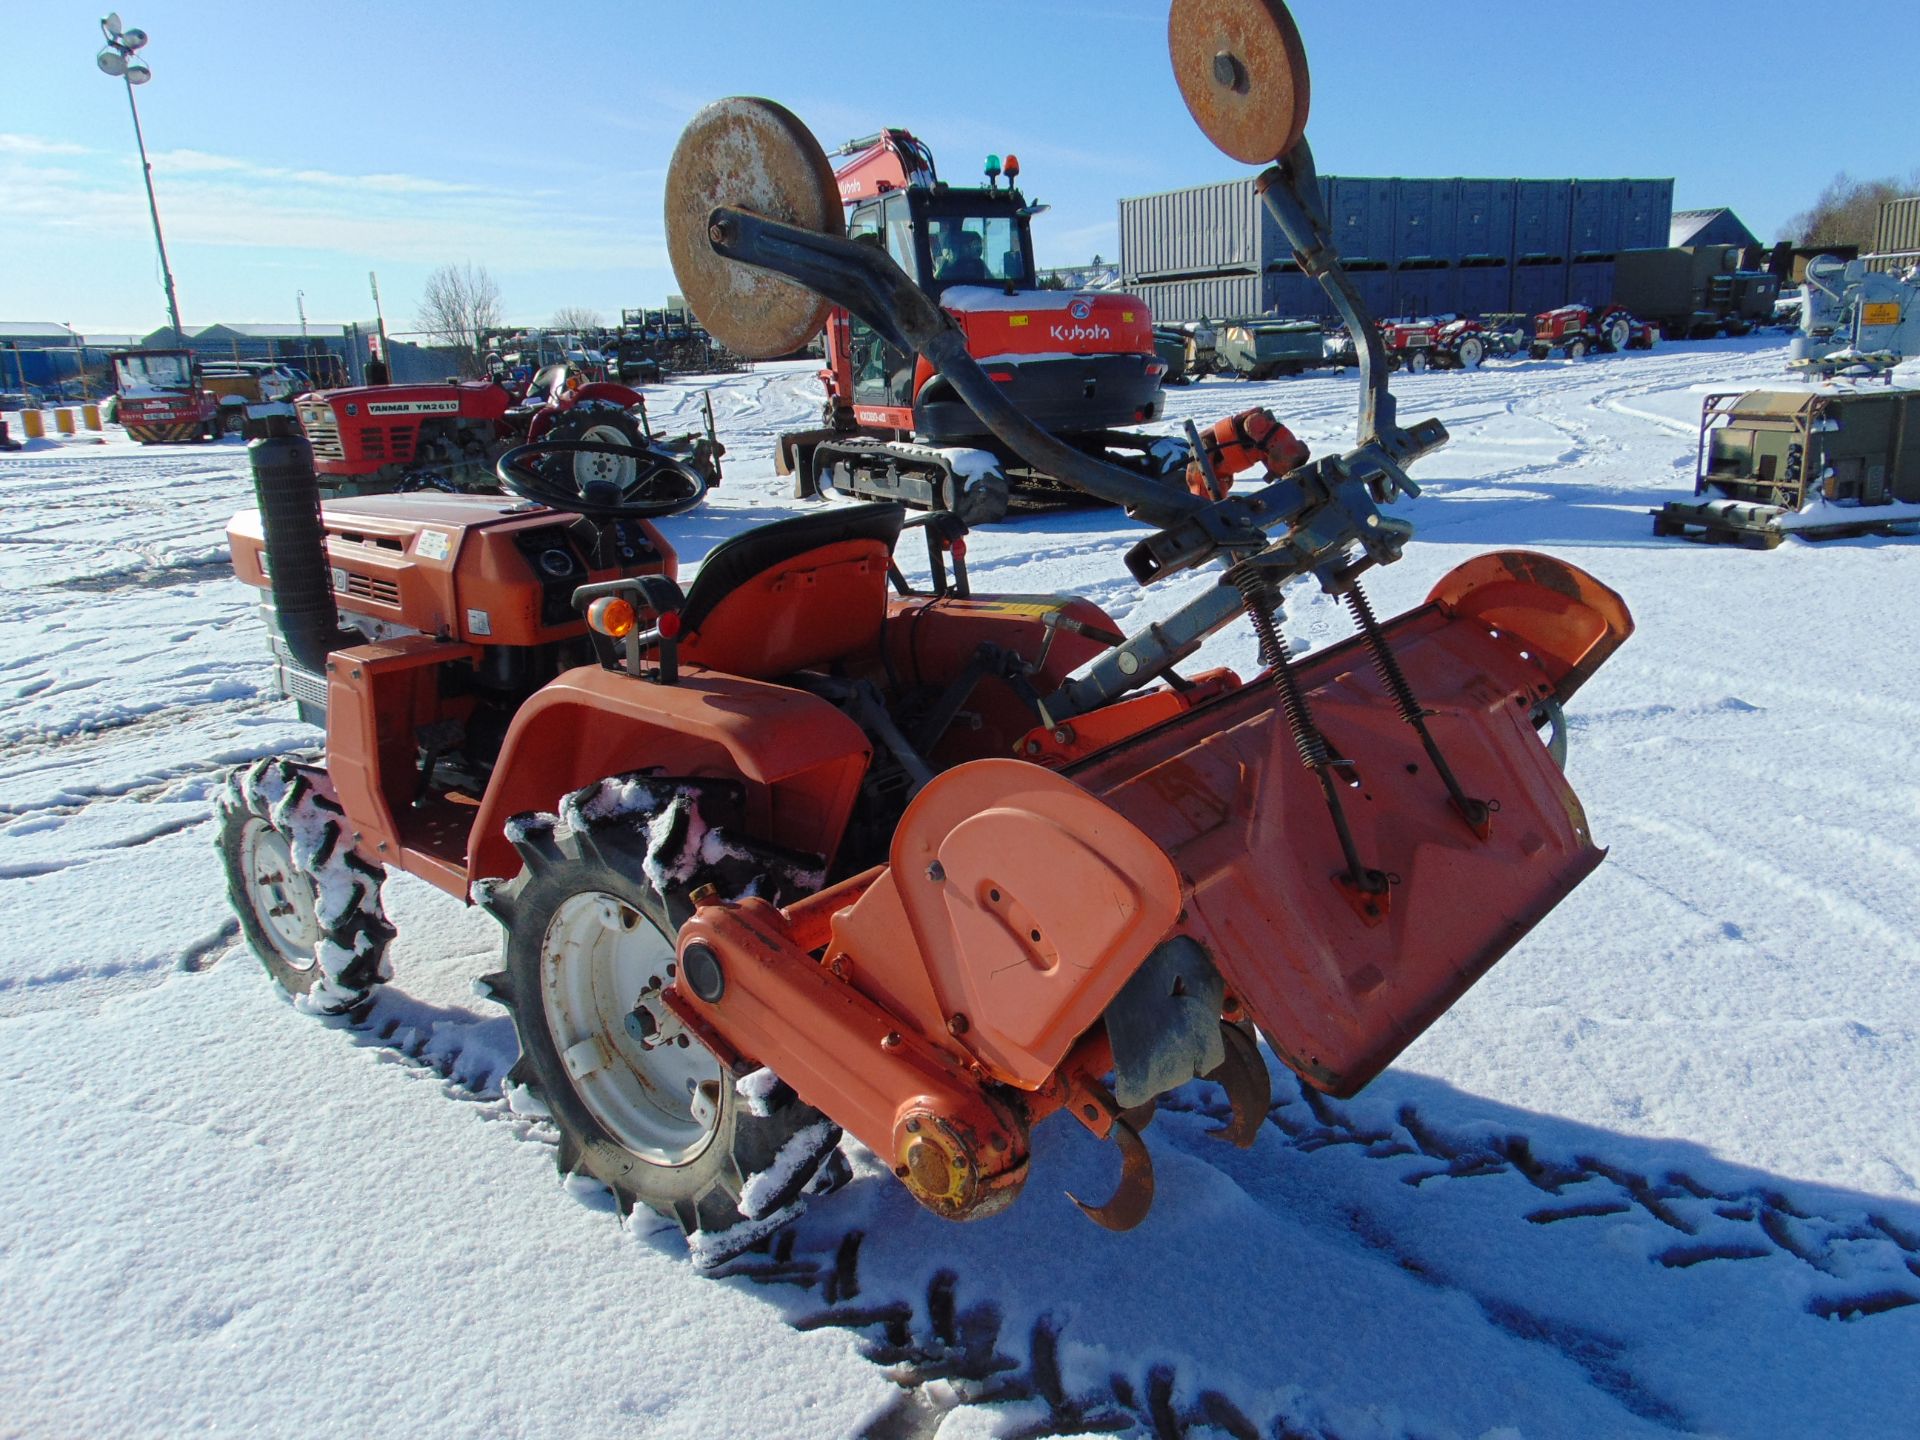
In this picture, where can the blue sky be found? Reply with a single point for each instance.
(295, 148)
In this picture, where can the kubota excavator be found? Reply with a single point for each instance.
(797, 849)
(1081, 363)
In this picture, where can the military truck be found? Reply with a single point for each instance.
(1691, 291)
(1774, 463)
(1261, 349)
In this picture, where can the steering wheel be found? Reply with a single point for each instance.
(661, 484)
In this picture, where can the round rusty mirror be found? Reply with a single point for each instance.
(751, 154)
(1242, 70)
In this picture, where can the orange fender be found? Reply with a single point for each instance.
(801, 758)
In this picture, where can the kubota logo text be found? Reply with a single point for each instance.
(1079, 332)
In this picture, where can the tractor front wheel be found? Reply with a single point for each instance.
(1577, 350)
(307, 904)
(641, 1104)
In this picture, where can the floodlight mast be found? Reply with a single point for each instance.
(116, 59)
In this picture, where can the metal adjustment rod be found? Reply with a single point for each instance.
(1365, 887)
(1477, 813)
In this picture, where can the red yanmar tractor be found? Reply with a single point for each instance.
(377, 439)
(1578, 330)
(1418, 345)
(802, 850)
(1082, 364)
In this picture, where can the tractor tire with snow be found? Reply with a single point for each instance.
(641, 1105)
(1417, 362)
(307, 904)
(1616, 334)
(1471, 352)
(1576, 349)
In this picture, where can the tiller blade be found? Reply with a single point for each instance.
(1243, 1075)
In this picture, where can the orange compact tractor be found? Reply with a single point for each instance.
(797, 849)
(1082, 364)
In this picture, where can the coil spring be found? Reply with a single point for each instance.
(1384, 660)
(1256, 592)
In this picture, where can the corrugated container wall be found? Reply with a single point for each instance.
(1590, 282)
(1649, 214)
(1899, 229)
(1294, 296)
(1594, 223)
(1424, 214)
(1216, 297)
(1486, 289)
(1483, 220)
(1197, 231)
(1360, 214)
(1425, 292)
(1539, 287)
(1540, 219)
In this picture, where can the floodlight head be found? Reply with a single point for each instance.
(111, 62)
(138, 73)
(134, 39)
(110, 25)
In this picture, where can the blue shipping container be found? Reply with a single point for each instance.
(1485, 290)
(1360, 214)
(1539, 287)
(1294, 296)
(1483, 220)
(1648, 218)
(1424, 219)
(1425, 292)
(1590, 282)
(1595, 221)
(1540, 219)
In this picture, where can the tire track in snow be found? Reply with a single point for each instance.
(949, 1347)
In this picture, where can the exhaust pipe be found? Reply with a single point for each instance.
(288, 492)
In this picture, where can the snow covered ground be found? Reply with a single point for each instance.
(1655, 1175)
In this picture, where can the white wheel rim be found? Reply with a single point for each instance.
(1470, 354)
(590, 468)
(597, 957)
(281, 896)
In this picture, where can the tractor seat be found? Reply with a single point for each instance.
(793, 594)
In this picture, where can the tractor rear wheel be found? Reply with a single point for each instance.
(602, 425)
(308, 906)
(1471, 352)
(641, 1104)
(1616, 334)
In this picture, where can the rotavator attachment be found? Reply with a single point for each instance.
(1334, 852)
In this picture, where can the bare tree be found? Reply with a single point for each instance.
(572, 319)
(1847, 212)
(459, 305)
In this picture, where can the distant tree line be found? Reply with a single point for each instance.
(1847, 212)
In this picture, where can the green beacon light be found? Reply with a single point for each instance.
(993, 170)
